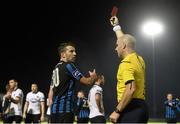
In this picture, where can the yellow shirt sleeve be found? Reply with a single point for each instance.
(128, 73)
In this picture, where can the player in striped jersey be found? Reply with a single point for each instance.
(172, 106)
(62, 86)
(82, 108)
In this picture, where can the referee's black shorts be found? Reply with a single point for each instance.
(135, 112)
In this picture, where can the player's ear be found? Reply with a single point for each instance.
(63, 54)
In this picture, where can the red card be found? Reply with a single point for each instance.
(114, 11)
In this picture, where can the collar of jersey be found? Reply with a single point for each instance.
(127, 58)
(34, 93)
(15, 89)
(97, 85)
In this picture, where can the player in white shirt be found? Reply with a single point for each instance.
(95, 99)
(34, 108)
(16, 99)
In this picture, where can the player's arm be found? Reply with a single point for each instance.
(42, 106)
(98, 101)
(25, 109)
(78, 75)
(89, 80)
(116, 27)
(127, 95)
(18, 97)
(16, 100)
(42, 110)
(50, 96)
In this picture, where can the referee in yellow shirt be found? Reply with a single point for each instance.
(131, 106)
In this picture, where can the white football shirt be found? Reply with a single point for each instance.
(94, 111)
(17, 108)
(34, 100)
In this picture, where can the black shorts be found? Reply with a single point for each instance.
(98, 119)
(62, 118)
(16, 118)
(32, 118)
(82, 120)
(171, 120)
(135, 112)
(48, 118)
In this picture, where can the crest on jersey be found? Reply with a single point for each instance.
(76, 73)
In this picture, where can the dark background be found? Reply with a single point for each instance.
(32, 31)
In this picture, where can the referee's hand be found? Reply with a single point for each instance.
(114, 21)
(114, 117)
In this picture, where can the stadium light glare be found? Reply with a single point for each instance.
(152, 27)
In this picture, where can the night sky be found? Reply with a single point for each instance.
(31, 33)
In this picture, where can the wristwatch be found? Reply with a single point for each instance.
(117, 111)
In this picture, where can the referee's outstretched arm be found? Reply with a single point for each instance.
(116, 27)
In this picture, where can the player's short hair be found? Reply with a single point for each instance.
(34, 84)
(170, 94)
(62, 46)
(99, 76)
(14, 80)
(81, 91)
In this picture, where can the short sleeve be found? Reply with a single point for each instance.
(74, 71)
(98, 91)
(128, 73)
(19, 93)
(42, 98)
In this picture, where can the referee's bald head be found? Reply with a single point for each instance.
(129, 40)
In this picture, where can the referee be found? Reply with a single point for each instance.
(62, 86)
(131, 106)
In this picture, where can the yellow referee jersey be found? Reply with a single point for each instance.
(132, 67)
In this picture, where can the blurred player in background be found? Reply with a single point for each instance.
(172, 107)
(95, 100)
(82, 111)
(34, 108)
(16, 99)
(6, 105)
